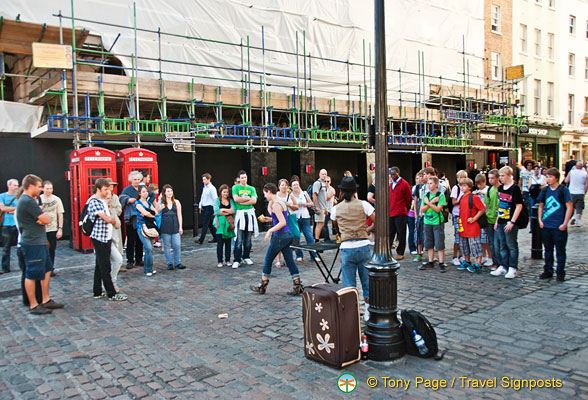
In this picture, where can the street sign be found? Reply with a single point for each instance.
(183, 146)
(178, 135)
(516, 72)
(584, 121)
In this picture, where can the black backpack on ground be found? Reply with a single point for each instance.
(86, 223)
(415, 321)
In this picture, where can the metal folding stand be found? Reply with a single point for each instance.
(319, 248)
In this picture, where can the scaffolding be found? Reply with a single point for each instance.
(102, 101)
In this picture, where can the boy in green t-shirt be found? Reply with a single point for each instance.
(431, 208)
(491, 201)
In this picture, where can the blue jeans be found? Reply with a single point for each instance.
(242, 245)
(509, 247)
(352, 261)
(553, 237)
(494, 245)
(9, 234)
(306, 230)
(148, 247)
(411, 234)
(172, 240)
(280, 242)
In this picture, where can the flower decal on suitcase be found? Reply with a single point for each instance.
(319, 307)
(324, 343)
(310, 348)
(324, 324)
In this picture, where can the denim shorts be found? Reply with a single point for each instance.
(484, 235)
(455, 229)
(37, 260)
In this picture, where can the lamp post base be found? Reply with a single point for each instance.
(383, 332)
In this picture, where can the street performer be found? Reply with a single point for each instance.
(350, 218)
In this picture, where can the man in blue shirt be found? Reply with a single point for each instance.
(127, 199)
(555, 211)
(8, 202)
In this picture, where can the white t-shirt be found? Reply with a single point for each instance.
(577, 181)
(301, 199)
(52, 206)
(525, 176)
(353, 244)
(538, 180)
(456, 193)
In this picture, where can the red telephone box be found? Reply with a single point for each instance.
(86, 165)
(132, 159)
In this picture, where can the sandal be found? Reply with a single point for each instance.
(297, 288)
(261, 287)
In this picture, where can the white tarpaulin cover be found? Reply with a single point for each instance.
(19, 117)
(334, 29)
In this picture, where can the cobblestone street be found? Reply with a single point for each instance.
(167, 342)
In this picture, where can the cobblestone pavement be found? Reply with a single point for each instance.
(167, 342)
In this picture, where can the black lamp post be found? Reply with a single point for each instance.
(383, 328)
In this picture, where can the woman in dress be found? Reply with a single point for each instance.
(171, 227)
(146, 212)
(224, 211)
(281, 239)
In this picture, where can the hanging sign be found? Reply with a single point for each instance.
(49, 55)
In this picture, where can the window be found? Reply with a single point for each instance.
(586, 69)
(587, 29)
(495, 19)
(571, 64)
(496, 68)
(572, 25)
(537, 97)
(523, 38)
(524, 95)
(550, 44)
(550, 94)
(551, 3)
(570, 109)
(538, 42)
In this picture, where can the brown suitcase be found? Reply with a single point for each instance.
(332, 332)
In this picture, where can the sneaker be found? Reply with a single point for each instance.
(170, 267)
(220, 265)
(366, 315)
(228, 263)
(180, 266)
(414, 252)
(299, 259)
(442, 267)
(474, 268)
(149, 274)
(455, 261)
(119, 297)
(157, 244)
(546, 275)
(235, 265)
(487, 263)
(560, 277)
(248, 261)
(419, 257)
(464, 265)
(51, 305)
(130, 266)
(103, 295)
(427, 265)
(498, 271)
(512, 273)
(40, 310)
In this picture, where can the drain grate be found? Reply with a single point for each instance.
(9, 293)
(201, 372)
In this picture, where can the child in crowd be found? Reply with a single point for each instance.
(431, 207)
(481, 190)
(469, 230)
(417, 193)
(491, 201)
(456, 195)
(510, 205)
(555, 211)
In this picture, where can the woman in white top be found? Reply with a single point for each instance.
(284, 195)
(304, 203)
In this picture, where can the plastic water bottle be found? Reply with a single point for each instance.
(364, 348)
(420, 343)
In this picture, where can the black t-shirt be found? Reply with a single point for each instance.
(372, 189)
(507, 202)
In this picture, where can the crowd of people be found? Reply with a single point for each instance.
(486, 213)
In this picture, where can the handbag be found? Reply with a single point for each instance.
(231, 222)
(293, 223)
(149, 232)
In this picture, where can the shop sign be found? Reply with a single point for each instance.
(538, 132)
(504, 160)
(488, 136)
(584, 120)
